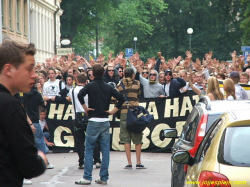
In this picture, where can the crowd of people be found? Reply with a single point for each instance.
(158, 78)
(91, 86)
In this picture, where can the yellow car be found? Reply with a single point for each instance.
(223, 157)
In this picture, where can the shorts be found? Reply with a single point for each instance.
(125, 135)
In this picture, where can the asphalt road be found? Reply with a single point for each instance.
(157, 174)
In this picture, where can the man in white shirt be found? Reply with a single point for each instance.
(79, 124)
(53, 86)
(240, 93)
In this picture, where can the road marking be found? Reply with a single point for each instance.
(54, 180)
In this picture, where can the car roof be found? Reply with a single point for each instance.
(221, 106)
(240, 114)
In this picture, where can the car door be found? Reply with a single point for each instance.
(195, 170)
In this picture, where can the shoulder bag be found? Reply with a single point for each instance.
(138, 118)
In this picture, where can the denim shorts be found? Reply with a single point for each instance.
(125, 135)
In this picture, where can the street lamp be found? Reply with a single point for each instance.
(135, 39)
(190, 32)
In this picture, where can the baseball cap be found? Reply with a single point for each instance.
(234, 74)
(168, 72)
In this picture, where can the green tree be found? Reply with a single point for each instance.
(245, 24)
(133, 18)
(81, 19)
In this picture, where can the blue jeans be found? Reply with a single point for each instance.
(39, 138)
(97, 132)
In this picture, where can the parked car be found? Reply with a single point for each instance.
(204, 113)
(222, 158)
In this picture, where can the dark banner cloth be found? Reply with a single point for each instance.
(168, 112)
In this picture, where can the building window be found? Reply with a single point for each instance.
(18, 15)
(10, 14)
(25, 16)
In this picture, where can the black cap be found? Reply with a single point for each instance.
(234, 74)
(168, 72)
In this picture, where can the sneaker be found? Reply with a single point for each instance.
(27, 182)
(99, 181)
(50, 166)
(140, 166)
(97, 165)
(83, 181)
(128, 167)
(81, 167)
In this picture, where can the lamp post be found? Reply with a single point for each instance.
(190, 32)
(135, 39)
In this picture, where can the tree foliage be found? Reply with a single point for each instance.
(160, 25)
(245, 24)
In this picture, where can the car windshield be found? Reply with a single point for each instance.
(235, 147)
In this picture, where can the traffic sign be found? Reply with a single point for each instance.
(245, 48)
(245, 54)
(129, 52)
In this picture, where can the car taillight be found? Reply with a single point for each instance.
(201, 130)
(185, 168)
(213, 179)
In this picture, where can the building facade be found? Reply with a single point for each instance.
(36, 21)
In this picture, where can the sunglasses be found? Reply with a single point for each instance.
(152, 74)
(144, 72)
(111, 70)
(120, 71)
(90, 74)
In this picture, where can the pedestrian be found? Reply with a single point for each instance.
(132, 87)
(173, 84)
(80, 122)
(228, 86)
(53, 86)
(99, 98)
(19, 157)
(240, 93)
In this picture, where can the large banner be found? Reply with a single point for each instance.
(168, 113)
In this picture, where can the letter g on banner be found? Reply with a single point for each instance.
(63, 137)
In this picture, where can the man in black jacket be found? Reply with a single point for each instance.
(19, 157)
(99, 98)
(173, 84)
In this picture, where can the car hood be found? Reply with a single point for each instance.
(238, 176)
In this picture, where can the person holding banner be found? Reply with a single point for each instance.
(19, 157)
(99, 99)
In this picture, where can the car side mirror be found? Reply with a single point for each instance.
(182, 157)
(170, 133)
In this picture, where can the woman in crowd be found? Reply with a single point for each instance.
(162, 77)
(41, 81)
(229, 88)
(213, 89)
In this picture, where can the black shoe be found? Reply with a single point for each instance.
(128, 167)
(140, 166)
